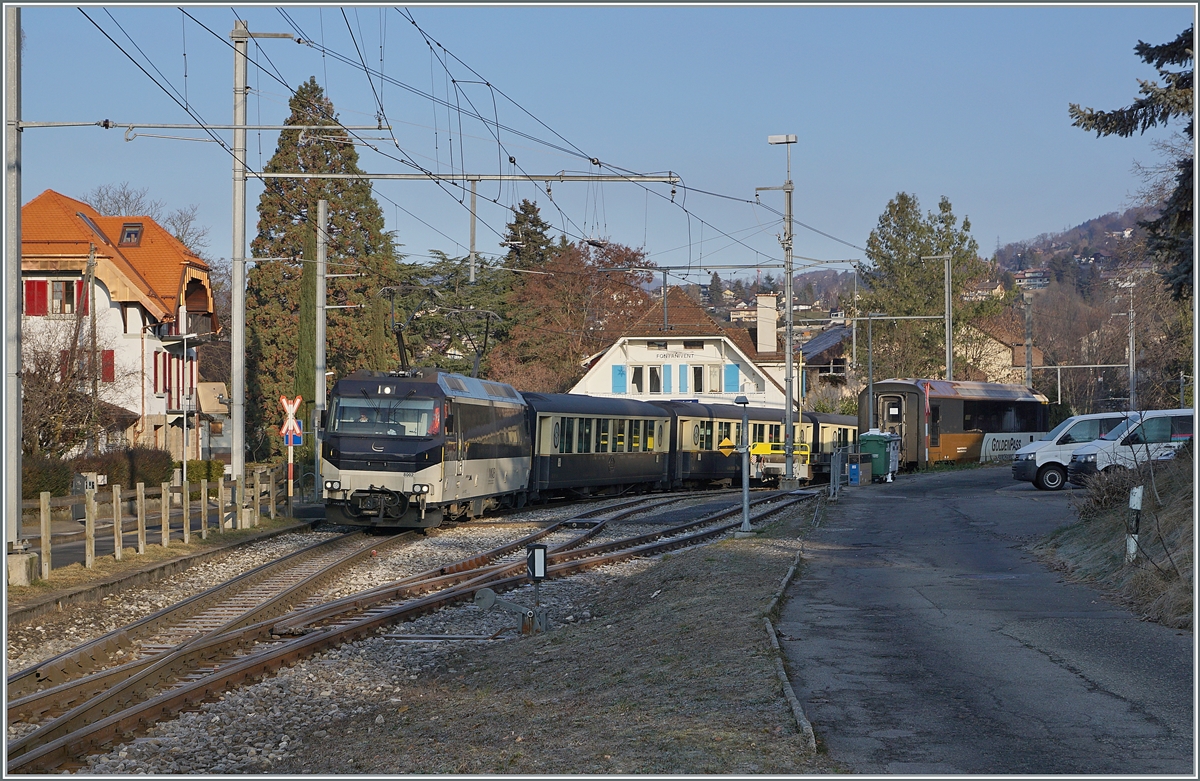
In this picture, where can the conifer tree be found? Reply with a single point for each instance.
(527, 239)
(357, 241)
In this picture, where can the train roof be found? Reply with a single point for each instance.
(575, 404)
(429, 382)
(966, 389)
(727, 411)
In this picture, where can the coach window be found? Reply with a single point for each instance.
(568, 435)
(723, 432)
(635, 436)
(602, 435)
(619, 436)
(774, 433)
(648, 443)
(655, 379)
(935, 425)
(737, 435)
(585, 436)
(758, 432)
(637, 380)
(706, 435)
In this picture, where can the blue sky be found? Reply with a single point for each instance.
(967, 102)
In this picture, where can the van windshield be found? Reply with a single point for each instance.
(1120, 430)
(1056, 430)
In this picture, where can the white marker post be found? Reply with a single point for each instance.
(1131, 531)
(290, 431)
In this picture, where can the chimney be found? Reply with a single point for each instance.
(767, 317)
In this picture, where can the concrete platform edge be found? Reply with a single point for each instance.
(802, 721)
(95, 592)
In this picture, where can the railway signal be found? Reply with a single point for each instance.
(291, 433)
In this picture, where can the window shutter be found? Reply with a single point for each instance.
(35, 297)
(81, 297)
(155, 362)
(107, 366)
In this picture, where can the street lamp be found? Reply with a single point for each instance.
(789, 478)
(744, 449)
(949, 316)
(871, 370)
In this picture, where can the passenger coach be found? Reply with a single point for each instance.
(940, 420)
(585, 445)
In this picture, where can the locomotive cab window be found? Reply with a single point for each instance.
(413, 417)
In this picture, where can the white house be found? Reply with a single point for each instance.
(693, 357)
(148, 291)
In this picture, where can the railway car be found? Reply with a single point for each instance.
(406, 449)
(585, 445)
(697, 431)
(823, 433)
(940, 420)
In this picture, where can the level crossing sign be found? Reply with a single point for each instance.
(291, 429)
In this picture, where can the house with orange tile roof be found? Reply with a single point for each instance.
(681, 352)
(148, 290)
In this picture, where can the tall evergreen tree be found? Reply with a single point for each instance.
(357, 241)
(899, 283)
(526, 238)
(1169, 237)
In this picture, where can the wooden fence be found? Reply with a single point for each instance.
(265, 485)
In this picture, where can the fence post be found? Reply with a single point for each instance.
(186, 499)
(141, 515)
(221, 504)
(89, 528)
(45, 529)
(204, 508)
(271, 490)
(118, 523)
(165, 502)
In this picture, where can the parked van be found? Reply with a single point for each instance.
(1044, 462)
(1155, 437)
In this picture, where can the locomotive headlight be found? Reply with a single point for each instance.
(333, 485)
(420, 488)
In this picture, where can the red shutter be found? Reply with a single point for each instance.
(108, 367)
(156, 354)
(35, 297)
(81, 297)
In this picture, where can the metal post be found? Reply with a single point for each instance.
(91, 299)
(45, 533)
(1132, 353)
(870, 374)
(186, 396)
(789, 418)
(949, 324)
(89, 527)
(1029, 342)
(474, 184)
(744, 446)
(237, 402)
(118, 523)
(141, 518)
(319, 397)
(11, 422)
(186, 498)
(854, 325)
(664, 297)
(204, 508)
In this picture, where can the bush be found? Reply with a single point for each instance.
(113, 464)
(148, 465)
(198, 470)
(44, 474)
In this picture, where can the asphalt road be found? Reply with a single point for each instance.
(923, 638)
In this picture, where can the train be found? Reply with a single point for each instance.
(412, 448)
(954, 420)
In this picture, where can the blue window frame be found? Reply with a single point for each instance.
(731, 378)
(618, 379)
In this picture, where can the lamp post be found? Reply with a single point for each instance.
(744, 449)
(949, 316)
(871, 370)
(789, 477)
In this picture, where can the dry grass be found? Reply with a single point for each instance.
(76, 575)
(676, 676)
(1158, 584)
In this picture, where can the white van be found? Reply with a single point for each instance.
(1155, 437)
(1044, 462)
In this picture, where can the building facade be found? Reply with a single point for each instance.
(147, 291)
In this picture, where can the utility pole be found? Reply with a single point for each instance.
(789, 477)
(319, 395)
(237, 392)
(1028, 298)
(1132, 353)
(12, 278)
(474, 184)
(87, 292)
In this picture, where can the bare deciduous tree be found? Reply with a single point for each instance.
(124, 199)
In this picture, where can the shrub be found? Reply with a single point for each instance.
(113, 464)
(204, 470)
(148, 465)
(44, 474)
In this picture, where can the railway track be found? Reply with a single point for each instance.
(104, 708)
